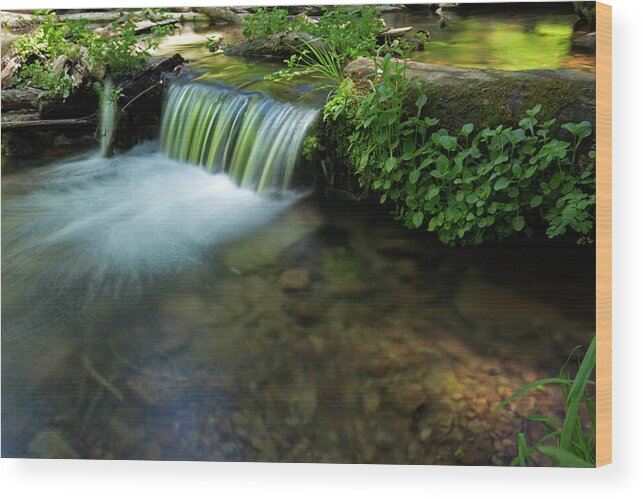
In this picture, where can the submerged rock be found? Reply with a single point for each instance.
(407, 398)
(587, 41)
(294, 280)
(347, 288)
(264, 248)
(51, 444)
(126, 436)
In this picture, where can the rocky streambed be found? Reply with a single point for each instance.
(332, 335)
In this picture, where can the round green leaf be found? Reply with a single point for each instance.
(421, 101)
(433, 191)
(535, 201)
(418, 218)
(501, 183)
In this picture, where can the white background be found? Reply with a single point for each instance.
(622, 479)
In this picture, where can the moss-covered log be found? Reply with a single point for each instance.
(488, 98)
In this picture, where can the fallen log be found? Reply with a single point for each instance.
(191, 17)
(71, 122)
(146, 26)
(14, 99)
(31, 118)
(28, 98)
(97, 17)
(148, 77)
(226, 14)
(17, 21)
(490, 97)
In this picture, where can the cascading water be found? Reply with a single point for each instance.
(147, 213)
(254, 139)
(108, 117)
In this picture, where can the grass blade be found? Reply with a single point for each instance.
(531, 386)
(576, 394)
(523, 451)
(564, 458)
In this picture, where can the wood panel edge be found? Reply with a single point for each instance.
(603, 234)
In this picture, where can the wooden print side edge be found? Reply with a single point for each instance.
(603, 234)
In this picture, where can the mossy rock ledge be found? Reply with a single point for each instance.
(488, 98)
(485, 98)
(276, 46)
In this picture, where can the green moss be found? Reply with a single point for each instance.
(502, 101)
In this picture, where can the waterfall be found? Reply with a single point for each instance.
(108, 116)
(256, 140)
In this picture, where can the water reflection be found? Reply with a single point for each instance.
(511, 39)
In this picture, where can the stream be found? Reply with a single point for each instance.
(182, 301)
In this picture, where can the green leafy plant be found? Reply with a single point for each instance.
(124, 51)
(39, 76)
(349, 31)
(265, 21)
(312, 144)
(572, 441)
(213, 43)
(466, 187)
(112, 95)
(317, 61)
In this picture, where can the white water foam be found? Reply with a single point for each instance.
(118, 221)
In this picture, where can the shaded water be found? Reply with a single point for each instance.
(154, 311)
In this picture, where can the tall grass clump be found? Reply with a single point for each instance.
(570, 442)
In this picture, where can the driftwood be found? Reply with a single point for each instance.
(226, 14)
(392, 33)
(10, 66)
(147, 25)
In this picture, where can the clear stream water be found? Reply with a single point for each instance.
(152, 309)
